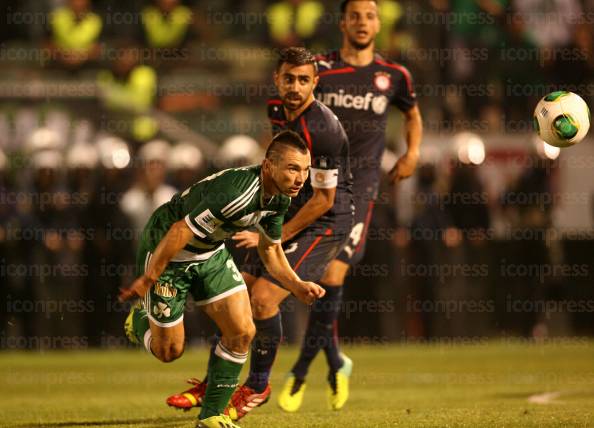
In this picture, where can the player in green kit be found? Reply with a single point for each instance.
(182, 251)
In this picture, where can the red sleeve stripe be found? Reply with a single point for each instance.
(337, 71)
(278, 122)
(274, 102)
(403, 70)
(306, 133)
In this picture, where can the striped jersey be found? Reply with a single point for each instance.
(217, 207)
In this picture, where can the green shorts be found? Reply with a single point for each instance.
(208, 281)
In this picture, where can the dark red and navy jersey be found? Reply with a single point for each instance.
(360, 97)
(327, 141)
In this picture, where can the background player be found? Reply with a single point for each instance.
(359, 86)
(319, 220)
(182, 250)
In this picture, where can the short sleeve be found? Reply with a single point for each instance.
(204, 219)
(221, 202)
(329, 150)
(272, 226)
(404, 93)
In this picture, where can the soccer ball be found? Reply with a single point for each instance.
(561, 119)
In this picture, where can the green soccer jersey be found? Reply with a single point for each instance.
(217, 207)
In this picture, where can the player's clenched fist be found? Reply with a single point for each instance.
(138, 289)
(405, 166)
(307, 292)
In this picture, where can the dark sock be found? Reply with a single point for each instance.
(331, 348)
(268, 337)
(320, 333)
(296, 385)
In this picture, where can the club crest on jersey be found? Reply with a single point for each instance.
(382, 81)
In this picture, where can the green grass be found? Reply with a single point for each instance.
(485, 385)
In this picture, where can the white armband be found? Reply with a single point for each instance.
(323, 178)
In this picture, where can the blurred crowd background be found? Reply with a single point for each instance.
(108, 108)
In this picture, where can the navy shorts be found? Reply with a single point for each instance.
(309, 254)
(354, 249)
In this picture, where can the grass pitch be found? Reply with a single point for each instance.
(486, 385)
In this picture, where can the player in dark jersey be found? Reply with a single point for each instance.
(318, 222)
(182, 251)
(359, 86)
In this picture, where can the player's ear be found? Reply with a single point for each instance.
(316, 79)
(267, 165)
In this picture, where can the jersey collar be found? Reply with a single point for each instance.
(338, 58)
(263, 203)
(309, 107)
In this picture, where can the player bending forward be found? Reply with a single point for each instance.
(182, 251)
(318, 225)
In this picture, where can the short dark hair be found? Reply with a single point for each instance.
(296, 56)
(285, 139)
(345, 3)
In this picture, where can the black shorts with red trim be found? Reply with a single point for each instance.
(354, 249)
(309, 254)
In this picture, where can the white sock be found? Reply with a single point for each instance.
(148, 338)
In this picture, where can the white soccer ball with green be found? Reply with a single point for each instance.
(561, 119)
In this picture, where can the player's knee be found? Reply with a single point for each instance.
(176, 350)
(168, 352)
(240, 340)
(245, 336)
(333, 279)
(335, 274)
(250, 332)
(263, 307)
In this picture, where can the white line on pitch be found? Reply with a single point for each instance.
(544, 398)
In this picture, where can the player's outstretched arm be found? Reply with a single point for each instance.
(177, 237)
(406, 164)
(319, 203)
(276, 263)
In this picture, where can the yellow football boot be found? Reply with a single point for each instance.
(129, 329)
(291, 396)
(338, 397)
(220, 421)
